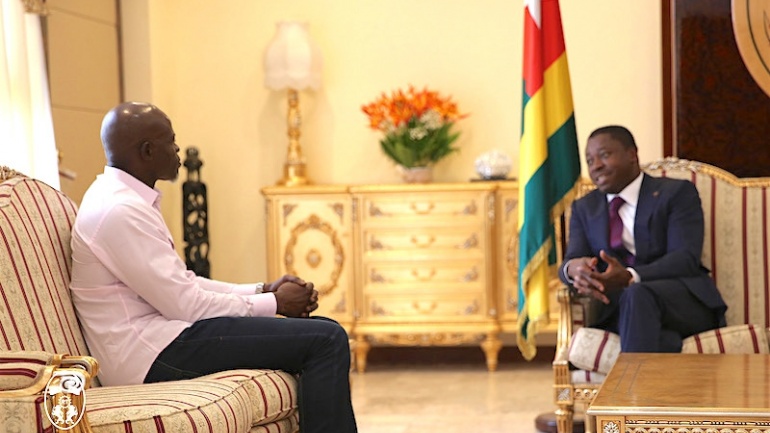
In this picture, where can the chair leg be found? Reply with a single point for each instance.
(590, 424)
(564, 415)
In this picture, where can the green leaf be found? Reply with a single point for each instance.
(409, 152)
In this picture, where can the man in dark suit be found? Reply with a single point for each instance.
(642, 262)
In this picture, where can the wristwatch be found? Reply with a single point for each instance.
(260, 288)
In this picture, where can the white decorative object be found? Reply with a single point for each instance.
(493, 165)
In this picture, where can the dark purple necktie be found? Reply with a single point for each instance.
(616, 224)
(616, 232)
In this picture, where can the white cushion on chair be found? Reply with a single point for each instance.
(585, 376)
(594, 350)
(731, 339)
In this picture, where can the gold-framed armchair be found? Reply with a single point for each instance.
(736, 250)
(48, 381)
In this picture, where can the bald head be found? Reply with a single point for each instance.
(138, 138)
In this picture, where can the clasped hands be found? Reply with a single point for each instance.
(294, 296)
(587, 280)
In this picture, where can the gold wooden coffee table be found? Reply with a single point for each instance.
(684, 393)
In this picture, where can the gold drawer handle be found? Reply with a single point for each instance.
(422, 308)
(422, 210)
(425, 243)
(431, 274)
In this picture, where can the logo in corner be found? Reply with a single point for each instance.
(65, 399)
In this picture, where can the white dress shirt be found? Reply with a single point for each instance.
(627, 213)
(131, 291)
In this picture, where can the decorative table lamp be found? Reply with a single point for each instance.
(293, 62)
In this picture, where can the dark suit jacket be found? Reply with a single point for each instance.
(668, 234)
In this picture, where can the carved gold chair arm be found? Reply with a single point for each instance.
(564, 329)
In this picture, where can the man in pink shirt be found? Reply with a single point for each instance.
(133, 294)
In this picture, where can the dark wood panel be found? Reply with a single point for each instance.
(713, 110)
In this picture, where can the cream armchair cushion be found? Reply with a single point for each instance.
(594, 350)
(732, 339)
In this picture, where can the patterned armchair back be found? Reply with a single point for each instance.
(36, 311)
(737, 235)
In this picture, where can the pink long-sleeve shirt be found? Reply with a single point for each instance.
(132, 292)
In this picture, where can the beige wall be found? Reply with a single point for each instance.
(201, 62)
(84, 71)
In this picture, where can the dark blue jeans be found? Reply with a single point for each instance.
(317, 349)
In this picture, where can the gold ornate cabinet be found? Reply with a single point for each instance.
(310, 234)
(407, 264)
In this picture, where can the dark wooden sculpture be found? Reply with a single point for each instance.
(195, 217)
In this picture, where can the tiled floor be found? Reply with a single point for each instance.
(452, 398)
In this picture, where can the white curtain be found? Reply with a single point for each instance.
(26, 127)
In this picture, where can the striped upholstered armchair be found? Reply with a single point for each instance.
(737, 251)
(47, 380)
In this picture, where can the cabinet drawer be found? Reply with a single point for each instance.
(466, 273)
(438, 207)
(425, 240)
(408, 307)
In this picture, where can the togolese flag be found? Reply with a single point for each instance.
(549, 164)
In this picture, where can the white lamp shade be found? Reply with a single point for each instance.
(292, 60)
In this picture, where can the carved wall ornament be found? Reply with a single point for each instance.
(313, 222)
(750, 26)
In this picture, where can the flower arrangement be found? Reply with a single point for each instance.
(417, 126)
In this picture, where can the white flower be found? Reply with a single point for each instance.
(418, 133)
(431, 119)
